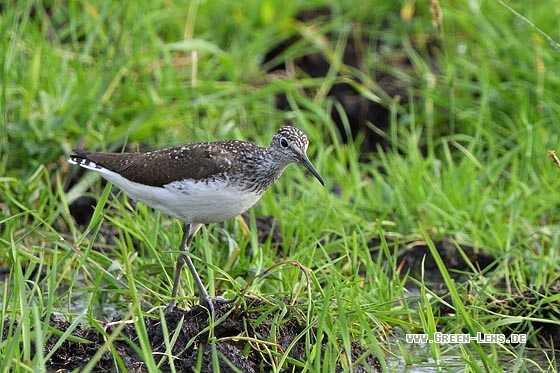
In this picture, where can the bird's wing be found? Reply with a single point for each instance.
(161, 167)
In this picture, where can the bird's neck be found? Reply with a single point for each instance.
(262, 171)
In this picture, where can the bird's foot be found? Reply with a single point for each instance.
(170, 306)
(208, 302)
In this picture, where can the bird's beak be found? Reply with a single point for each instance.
(307, 163)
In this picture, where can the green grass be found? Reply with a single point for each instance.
(467, 160)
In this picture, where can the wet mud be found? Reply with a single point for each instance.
(248, 336)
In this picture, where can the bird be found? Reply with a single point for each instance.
(200, 183)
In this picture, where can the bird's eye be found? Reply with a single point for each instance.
(284, 142)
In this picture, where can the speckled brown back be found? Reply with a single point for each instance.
(192, 161)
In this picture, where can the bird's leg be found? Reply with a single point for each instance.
(188, 234)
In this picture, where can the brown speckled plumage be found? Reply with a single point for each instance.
(193, 161)
(201, 161)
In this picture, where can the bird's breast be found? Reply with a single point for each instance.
(208, 201)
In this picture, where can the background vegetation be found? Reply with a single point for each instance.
(466, 161)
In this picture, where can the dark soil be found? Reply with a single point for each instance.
(417, 260)
(534, 304)
(193, 349)
(358, 111)
(531, 308)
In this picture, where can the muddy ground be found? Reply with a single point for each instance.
(241, 340)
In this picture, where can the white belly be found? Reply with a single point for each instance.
(192, 202)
